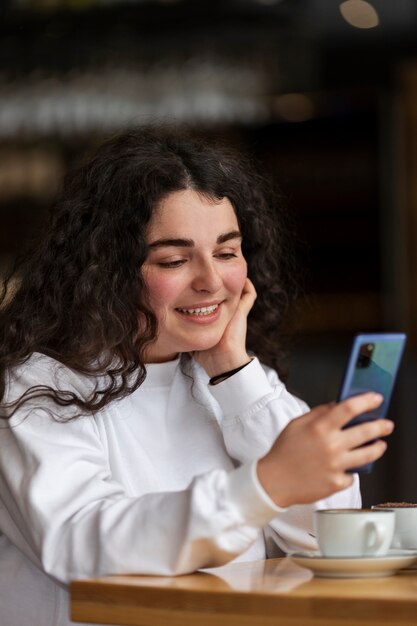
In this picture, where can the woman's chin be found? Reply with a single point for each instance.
(205, 344)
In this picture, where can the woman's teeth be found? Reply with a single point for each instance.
(205, 310)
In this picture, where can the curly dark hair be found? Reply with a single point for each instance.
(81, 298)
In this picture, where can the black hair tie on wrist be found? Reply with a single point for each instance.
(225, 375)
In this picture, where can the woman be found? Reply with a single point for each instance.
(142, 433)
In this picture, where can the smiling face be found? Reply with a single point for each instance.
(195, 272)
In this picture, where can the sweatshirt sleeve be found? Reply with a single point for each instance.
(255, 409)
(63, 509)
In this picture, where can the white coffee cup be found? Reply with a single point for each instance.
(405, 532)
(354, 532)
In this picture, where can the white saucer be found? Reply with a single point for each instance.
(355, 567)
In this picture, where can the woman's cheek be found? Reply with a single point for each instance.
(162, 287)
(237, 278)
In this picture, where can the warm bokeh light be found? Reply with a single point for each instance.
(294, 107)
(359, 13)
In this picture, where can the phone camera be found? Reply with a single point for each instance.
(365, 355)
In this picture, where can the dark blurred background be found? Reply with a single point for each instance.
(322, 92)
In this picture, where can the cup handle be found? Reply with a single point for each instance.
(374, 537)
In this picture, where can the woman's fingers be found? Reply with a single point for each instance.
(248, 296)
(364, 432)
(363, 456)
(230, 352)
(346, 410)
(367, 431)
(330, 422)
(314, 452)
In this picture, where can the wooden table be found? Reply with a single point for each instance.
(262, 593)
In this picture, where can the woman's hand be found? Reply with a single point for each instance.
(230, 351)
(310, 458)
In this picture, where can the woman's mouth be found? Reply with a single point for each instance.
(201, 311)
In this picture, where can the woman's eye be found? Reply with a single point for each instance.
(227, 255)
(168, 264)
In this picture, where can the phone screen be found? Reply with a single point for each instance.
(373, 365)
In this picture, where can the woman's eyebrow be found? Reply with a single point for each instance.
(189, 243)
(179, 243)
(233, 234)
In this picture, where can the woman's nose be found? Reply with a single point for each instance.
(206, 277)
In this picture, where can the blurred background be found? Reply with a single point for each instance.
(322, 92)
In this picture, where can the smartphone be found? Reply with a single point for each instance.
(372, 366)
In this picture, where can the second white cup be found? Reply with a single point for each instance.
(405, 533)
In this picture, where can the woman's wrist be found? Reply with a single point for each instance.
(276, 490)
(214, 380)
(217, 365)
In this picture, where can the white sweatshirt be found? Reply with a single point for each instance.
(162, 482)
